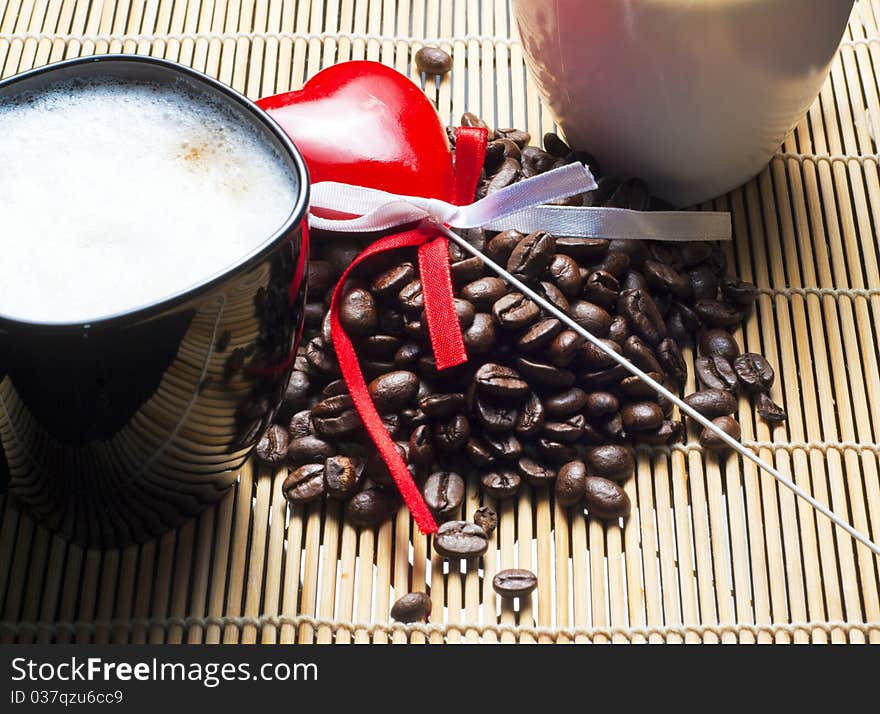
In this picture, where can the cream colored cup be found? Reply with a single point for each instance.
(694, 96)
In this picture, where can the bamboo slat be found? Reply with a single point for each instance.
(714, 551)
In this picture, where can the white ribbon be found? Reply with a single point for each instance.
(518, 207)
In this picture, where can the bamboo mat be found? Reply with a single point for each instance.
(713, 551)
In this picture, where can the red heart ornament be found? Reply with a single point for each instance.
(364, 123)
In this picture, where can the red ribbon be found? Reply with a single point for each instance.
(445, 332)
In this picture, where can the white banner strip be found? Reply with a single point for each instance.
(520, 207)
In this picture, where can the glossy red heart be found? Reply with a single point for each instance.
(364, 123)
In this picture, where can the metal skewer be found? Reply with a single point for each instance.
(659, 388)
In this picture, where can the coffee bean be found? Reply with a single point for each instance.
(504, 446)
(380, 347)
(594, 358)
(601, 404)
(545, 375)
(412, 607)
(642, 315)
(390, 282)
(304, 484)
(633, 280)
(519, 137)
(501, 484)
(532, 255)
(730, 426)
(411, 299)
(478, 453)
(601, 288)
(641, 355)
(611, 461)
(471, 119)
(619, 329)
(553, 295)
(539, 334)
(665, 278)
(272, 446)
(668, 432)
(563, 404)
(634, 388)
(509, 172)
(357, 312)
(308, 450)
(718, 314)
(769, 410)
(342, 475)
(555, 452)
(569, 431)
(297, 388)
(565, 347)
(465, 271)
(341, 253)
(671, 360)
(495, 418)
(515, 311)
(531, 417)
(566, 274)
(694, 253)
(442, 406)
(704, 283)
(754, 372)
(480, 337)
(433, 60)
(486, 519)
(534, 473)
(370, 507)
(583, 250)
(408, 355)
(556, 146)
(452, 434)
(614, 262)
(322, 276)
(719, 342)
(394, 391)
(341, 424)
(514, 583)
(716, 372)
(712, 403)
(495, 380)
(502, 245)
(571, 483)
(739, 292)
(605, 500)
(591, 317)
(300, 425)
(421, 446)
(603, 378)
(321, 357)
(461, 540)
(641, 416)
(484, 292)
(444, 493)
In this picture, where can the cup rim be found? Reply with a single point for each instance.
(268, 245)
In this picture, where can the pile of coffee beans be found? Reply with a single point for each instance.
(535, 403)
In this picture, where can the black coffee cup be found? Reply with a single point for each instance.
(116, 430)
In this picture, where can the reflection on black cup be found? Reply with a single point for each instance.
(120, 428)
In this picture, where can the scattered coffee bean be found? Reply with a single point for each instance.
(433, 60)
(769, 410)
(501, 484)
(370, 507)
(716, 372)
(272, 446)
(571, 484)
(754, 372)
(514, 583)
(719, 342)
(460, 540)
(532, 255)
(304, 484)
(357, 312)
(444, 493)
(641, 416)
(712, 403)
(605, 500)
(730, 426)
(342, 475)
(412, 607)
(486, 519)
(309, 449)
(534, 473)
(611, 461)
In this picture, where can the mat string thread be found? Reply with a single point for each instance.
(428, 629)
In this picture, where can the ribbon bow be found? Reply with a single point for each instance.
(516, 207)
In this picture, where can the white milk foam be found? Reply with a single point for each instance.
(114, 195)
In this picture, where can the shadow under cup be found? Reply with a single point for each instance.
(114, 431)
